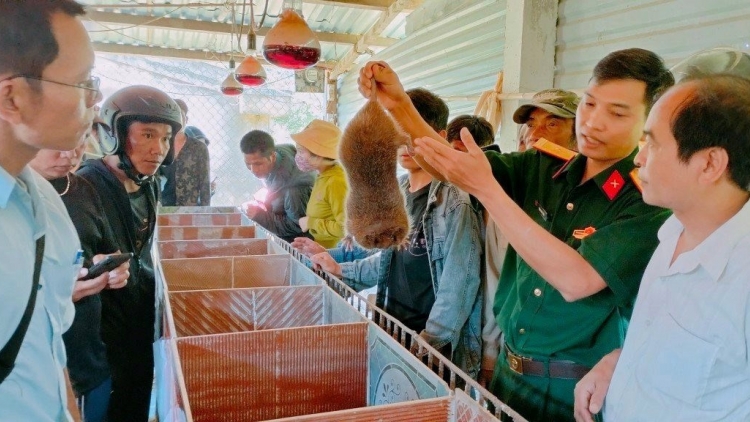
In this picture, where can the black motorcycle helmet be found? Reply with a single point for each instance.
(136, 103)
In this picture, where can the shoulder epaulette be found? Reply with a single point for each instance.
(554, 150)
(636, 180)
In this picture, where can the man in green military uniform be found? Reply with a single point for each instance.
(580, 234)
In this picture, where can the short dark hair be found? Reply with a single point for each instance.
(27, 44)
(257, 141)
(431, 107)
(481, 130)
(717, 114)
(640, 65)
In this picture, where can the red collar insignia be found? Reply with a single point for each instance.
(613, 185)
(581, 234)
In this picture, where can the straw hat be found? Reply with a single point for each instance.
(321, 138)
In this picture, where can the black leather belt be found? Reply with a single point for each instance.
(553, 369)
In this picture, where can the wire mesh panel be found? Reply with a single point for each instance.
(261, 375)
(205, 232)
(211, 247)
(236, 310)
(275, 107)
(433, 410)
(208, 219)
(226, 272)
(196, 210)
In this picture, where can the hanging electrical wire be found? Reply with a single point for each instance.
(263, 18)
(242, 24)
(149, 22)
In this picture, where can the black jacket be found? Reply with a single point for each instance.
(127, 313)
(187, 180)
(87, 356)
(289, 190)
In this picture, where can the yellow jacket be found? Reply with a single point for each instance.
(325, 210)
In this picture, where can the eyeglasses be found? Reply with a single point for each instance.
(91, 85)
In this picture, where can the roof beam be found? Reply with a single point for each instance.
(212, 27)
(364, 41)
(178, 53)
(355, 4)
(360, 4)
(142, 50)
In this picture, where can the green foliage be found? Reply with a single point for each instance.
(296, 118)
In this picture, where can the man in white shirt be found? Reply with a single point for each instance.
(685, 356)
(47, 96)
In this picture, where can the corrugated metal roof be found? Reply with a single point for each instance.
(590, 29)
(457, 57)
(323, 18)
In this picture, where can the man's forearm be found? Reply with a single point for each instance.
(559, 264)
(407, 116)
(610, 360)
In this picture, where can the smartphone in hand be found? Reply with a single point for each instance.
(108, 264)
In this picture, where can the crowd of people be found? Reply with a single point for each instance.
(597, 272)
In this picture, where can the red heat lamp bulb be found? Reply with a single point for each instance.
(231, 90)
(291, 57)
(250, 72)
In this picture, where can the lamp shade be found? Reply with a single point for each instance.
(250, 72)
(290, 44)
(230, 86)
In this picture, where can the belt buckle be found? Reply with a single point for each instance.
(515, 363)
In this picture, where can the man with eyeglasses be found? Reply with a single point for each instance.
(46, 102)
(90, 85)
(550, 115)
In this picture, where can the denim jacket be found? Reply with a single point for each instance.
(454, 249)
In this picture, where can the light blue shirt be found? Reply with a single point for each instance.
(686, 354)
(35, 389)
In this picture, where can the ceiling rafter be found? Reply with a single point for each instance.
(364, 41)
(355, 4)
(363, 4)
(215, 27)
(179, 53)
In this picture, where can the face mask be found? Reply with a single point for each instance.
(303, 163)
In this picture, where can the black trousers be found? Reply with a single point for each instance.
(132, 380)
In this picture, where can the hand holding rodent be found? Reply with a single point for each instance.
(378, 77)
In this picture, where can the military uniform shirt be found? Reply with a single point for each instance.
(607, 222)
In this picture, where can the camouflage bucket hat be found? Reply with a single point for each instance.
(558, 102)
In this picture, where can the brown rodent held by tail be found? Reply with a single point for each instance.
(375, 206)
